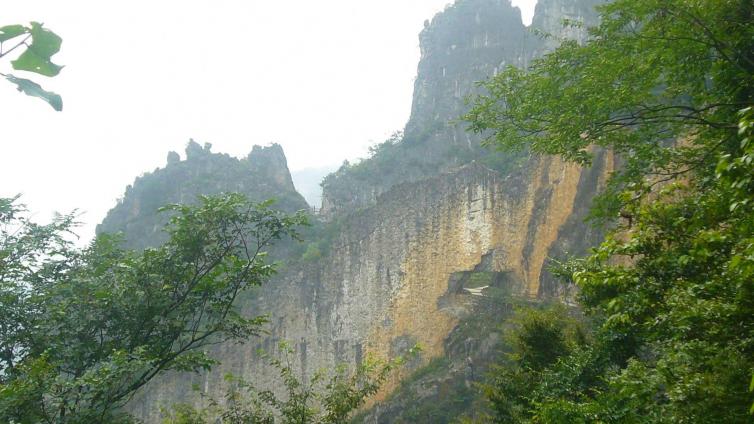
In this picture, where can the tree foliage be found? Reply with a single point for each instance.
(37, 45)
(538, 338)
(82, 330)
(668, 86)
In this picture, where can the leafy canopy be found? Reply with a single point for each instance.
(82, 330)
(667, 86)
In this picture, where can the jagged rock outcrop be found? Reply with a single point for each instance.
(262, 175)
(410, 232)
(271, 165)
(469, 42)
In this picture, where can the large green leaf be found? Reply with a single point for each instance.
(33, 89)
(11, 31)
(45, 42)
(37, 57)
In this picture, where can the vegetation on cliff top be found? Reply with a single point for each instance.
(262, 175)
(669, 87)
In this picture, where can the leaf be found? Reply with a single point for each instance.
(37, 57)
(11, 31)
(33, 62)
(45, 42)
(31, 88)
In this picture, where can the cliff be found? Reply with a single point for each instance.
(550, 15)
(428, 241)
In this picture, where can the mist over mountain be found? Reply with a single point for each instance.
(308, 182)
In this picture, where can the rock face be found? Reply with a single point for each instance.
(412, 235)
(469, 42)
(271, 165)
(550, 14)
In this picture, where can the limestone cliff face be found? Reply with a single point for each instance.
(469, 42)
(271, 165)
(407, 227)
(387, 281)
(549, 17)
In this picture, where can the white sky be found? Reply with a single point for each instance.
(325, 79)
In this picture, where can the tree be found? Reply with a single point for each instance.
(87, 328)
(668, 86)
(36, 57)
(538, 339)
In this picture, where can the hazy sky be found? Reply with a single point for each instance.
(325, 79)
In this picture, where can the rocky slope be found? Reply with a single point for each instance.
(410, 237)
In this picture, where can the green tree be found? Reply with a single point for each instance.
(82, 330)
(668, 86)
(37, 45)
(538, 339)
